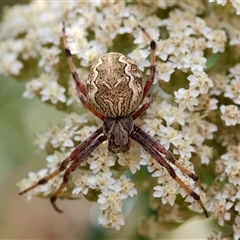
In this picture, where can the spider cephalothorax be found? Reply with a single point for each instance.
(114, 94)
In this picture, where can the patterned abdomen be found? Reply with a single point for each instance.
(114, 85)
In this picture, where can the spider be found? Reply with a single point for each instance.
(114, 93)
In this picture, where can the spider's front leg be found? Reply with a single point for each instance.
(79, 154)
(156, 150)
(81, 88)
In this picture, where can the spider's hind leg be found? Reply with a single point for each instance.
(163, 156)
(169, 156)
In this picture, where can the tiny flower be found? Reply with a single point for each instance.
(10, 65)
(100, 162)
(199, 81)
(230, 114)
(205, 153)
(232, 91)
(167, 192)
(110, 200)
(62, 139)
(102, 181)
(49, 58)
(216, 40)
(195, 61)
(219, 209)
(126, 187)
(233, 172)
(81, 184)
(111, 219)
(164, 70)
(53, 92)
(129, 159)
(90, 55)
(186, 98)
(183, 146)
(139, 56)
(32, 88)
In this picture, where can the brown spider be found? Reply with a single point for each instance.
(114, 92)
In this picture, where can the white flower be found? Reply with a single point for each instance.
(126, 187)
(129, 159)
(206, 103)
(164, 71)
(230, 114)
(62, 139)
(101, 162)
(233, 172)
(53, 92)
(9, 65)
(173, 114)
(186, 98)
(139, 56)
(102, 181)
(49, 58)
(76, 38)
(81, 184)
(84, 132)
(32, 88)
(167, 192)
(199, 81)
(232, 91)
(205, 153)
(111, 200)
(164, 49)
(219, 209)
(75, 121)
(90, 55)
(219, 82)
(216, 40)
(195, 61)
(111, 219)
(182, 146)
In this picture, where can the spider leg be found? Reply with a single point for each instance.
(81, 88)
(156, 150)
(144, 107)
(75, 164)
(150, 80)
(78, 151)
(169, 156)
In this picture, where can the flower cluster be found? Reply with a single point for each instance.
(195, 113)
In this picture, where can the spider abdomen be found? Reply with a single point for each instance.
(114, 85)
